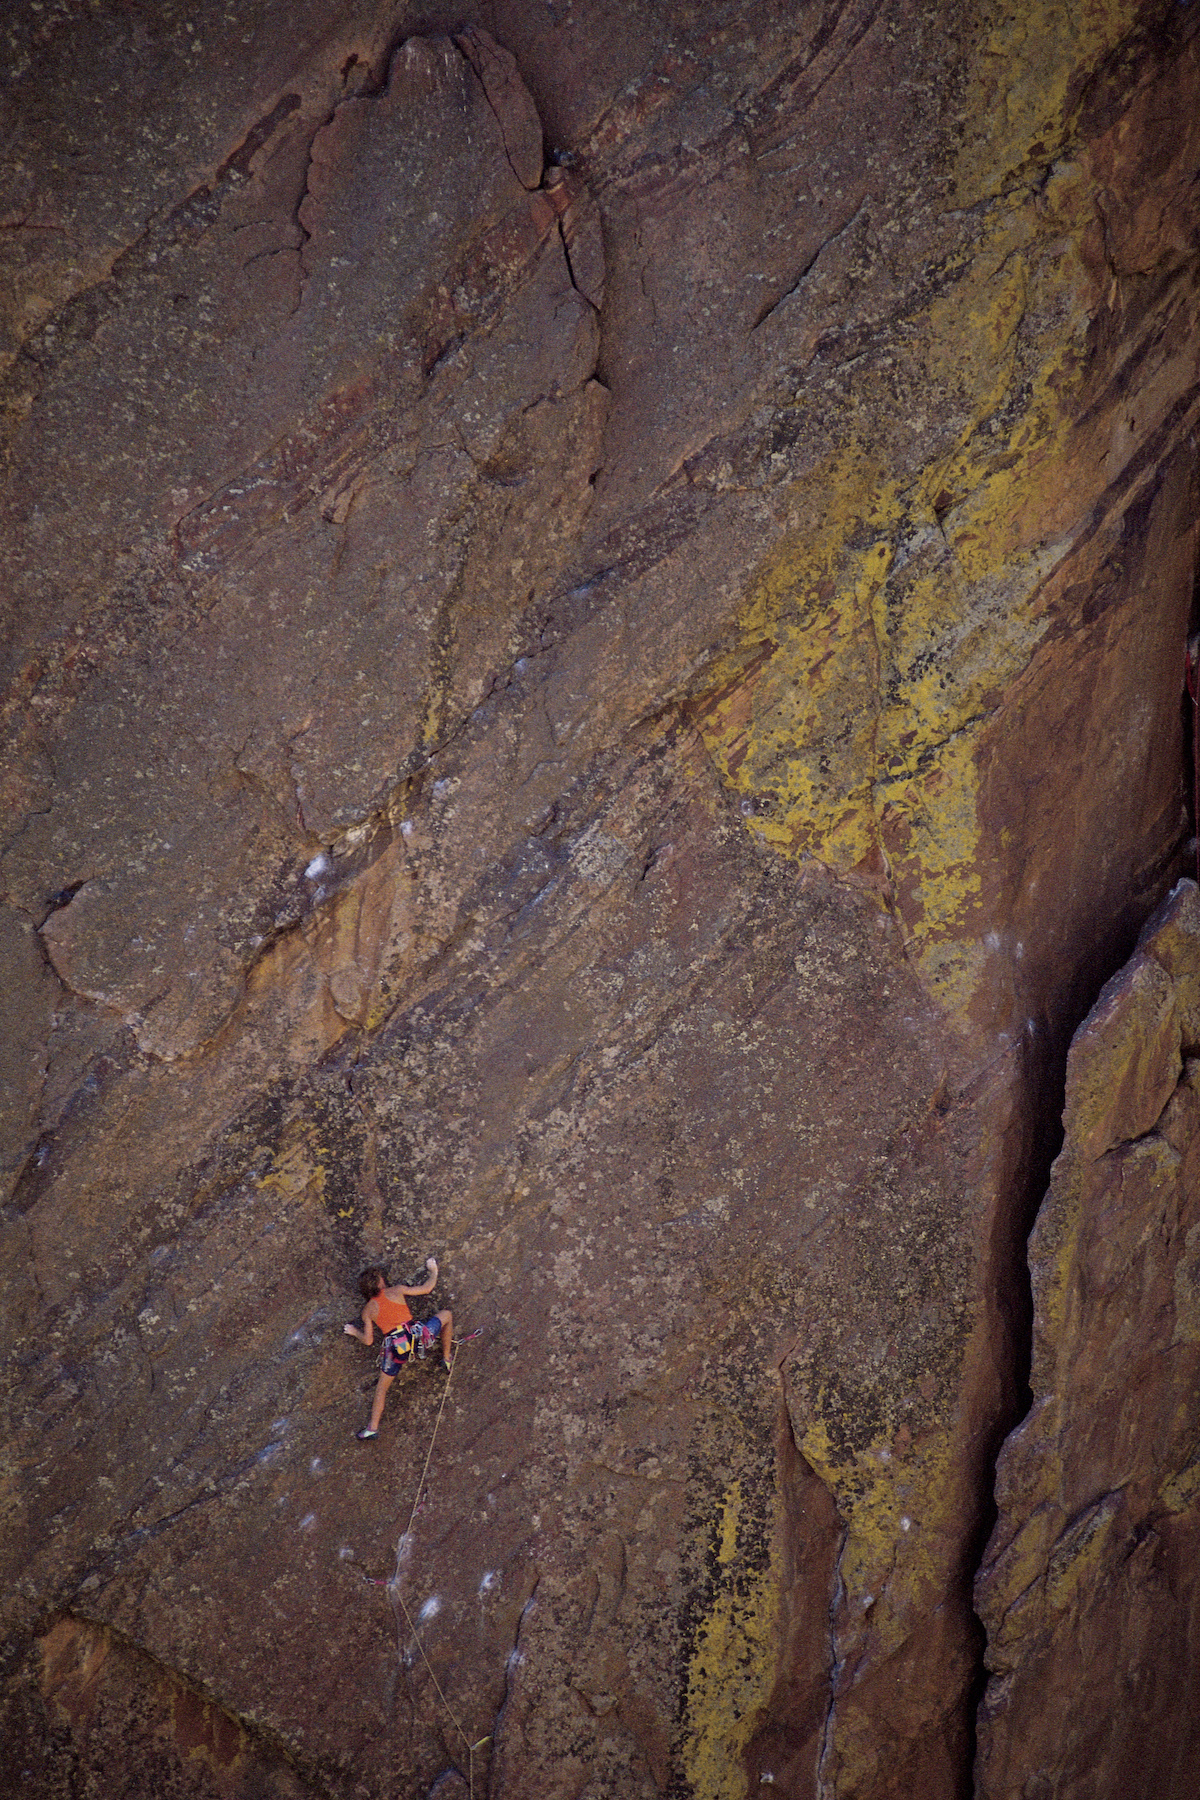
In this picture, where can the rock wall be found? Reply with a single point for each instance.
(1087, 1589)
(596, 602)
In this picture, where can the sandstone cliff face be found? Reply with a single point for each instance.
(596, 607)
(1087, 1590)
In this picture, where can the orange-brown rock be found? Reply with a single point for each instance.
(1087, 1590)
(595, 603)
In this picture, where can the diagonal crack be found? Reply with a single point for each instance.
(479, 56)
(77, 321)
(773, 306)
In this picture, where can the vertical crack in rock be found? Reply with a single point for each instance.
(825, 1749)
(511, 104)
(1097, 1504)
(512, 1663)
(467, 1000)
(1045, 1085)
(1039, 1112)
(791, 1743)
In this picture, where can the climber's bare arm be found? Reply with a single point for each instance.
(365, 1333)
(426, 1287)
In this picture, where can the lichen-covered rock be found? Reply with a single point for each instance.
(596, 602)
(1088, 1590)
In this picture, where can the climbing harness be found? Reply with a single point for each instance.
(407, 1342)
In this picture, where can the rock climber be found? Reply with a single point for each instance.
(403, 1336)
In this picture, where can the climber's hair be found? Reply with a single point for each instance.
(370, 1282)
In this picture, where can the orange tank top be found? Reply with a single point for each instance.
(390, 1314)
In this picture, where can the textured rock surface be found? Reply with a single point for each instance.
(596, 601)
(1088, 1590)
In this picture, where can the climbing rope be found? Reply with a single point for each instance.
(1192, 677)
(471, 1748)
(428, 1454)
(393, 1586)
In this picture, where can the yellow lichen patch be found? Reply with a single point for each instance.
(880, 636)
(1029, 62)
(732, 1667)
(298, 1166)
(1182, 1492)
(899, 1512)
(727, 1544)
(1007, 482)
(938, 808)
(971, 329)
(1057, 1251)
(790, 718)
(1081, 1554)
(852, 499)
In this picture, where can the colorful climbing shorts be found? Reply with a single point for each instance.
(414, 1339)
